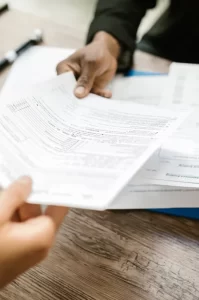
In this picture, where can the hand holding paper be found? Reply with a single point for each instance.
(79, 153)
(26, 234)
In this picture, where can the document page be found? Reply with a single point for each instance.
(80, 153)
(177, 162)
(182, 85)
(34, 66)
(155, 197)
(139, 89)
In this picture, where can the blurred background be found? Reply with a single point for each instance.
(77, 13)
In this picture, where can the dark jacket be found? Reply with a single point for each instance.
(174, 36)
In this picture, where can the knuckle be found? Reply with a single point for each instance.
(83, 80)
(100, 58)
(90, 60)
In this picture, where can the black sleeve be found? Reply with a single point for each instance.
(120, 18)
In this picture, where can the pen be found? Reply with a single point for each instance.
(3, 8)
(12, 55)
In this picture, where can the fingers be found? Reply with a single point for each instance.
(69, 64)
(57, 214)
(14, 266)
(85, 74)
(37, 234)
(42, 231)
(13, 197)
(92, 70)
(85, 81)
(24, 245)
(100, 85)
(63, 67)
(102, 92)
(27, 243)
(28, 211)
(31, 236)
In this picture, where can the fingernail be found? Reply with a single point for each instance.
(24, 180)
(80, 90)
(107, 94)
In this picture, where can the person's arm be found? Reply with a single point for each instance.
(119, 18)
(111, 36)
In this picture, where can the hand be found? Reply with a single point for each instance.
(26, 235)
(94, 65)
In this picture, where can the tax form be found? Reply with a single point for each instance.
(177, 162)
(79, 153)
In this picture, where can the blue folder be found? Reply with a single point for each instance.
(192, 213)
(141, 73)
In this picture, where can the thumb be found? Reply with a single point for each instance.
(85, 82)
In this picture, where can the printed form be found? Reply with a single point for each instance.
(80, 153)
(177, 162)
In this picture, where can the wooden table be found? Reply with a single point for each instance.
(121, 255)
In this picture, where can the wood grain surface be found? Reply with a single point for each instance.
(136, 255)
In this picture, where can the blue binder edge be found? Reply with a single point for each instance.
(192, 213)
(142, 73)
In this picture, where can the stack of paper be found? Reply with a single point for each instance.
(139, 151)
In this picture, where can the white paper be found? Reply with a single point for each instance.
(34, 66)
(182, 86)
(155, 197)
(39, 64)
(79, 153)
(177, 162)
(143, 90)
